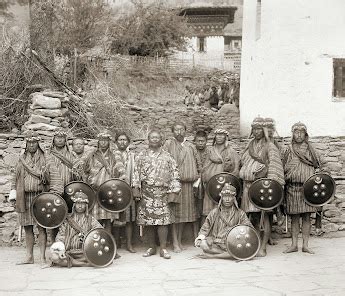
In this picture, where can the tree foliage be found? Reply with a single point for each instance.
(149, 30)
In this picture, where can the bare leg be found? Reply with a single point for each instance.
(42, 242)
(271, 241)
(150, 233)
(107, 226)
(294, 234)
(195, 229)
(29, 241)
(177, 248)
(267, 233)
(162, 235)
(179, 234)
(306, 233)
(129, 234)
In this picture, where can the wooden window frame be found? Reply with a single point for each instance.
(338, 91)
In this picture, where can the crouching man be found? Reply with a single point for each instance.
(213, 233)
(68, 247)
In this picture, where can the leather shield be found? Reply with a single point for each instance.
(266, 194)
(319, 189)
(115, 195)
(99, 247)
(215, 185)
(79, 186)
(49, 210)
(242, 242)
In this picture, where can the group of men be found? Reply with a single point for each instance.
(168, 180)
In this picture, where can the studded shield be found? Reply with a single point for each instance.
(49, 210)
(77, 186)
(266, 194)
(319, 189)
(99, 247)
(215, 185)
(115, 195)
(242, 242)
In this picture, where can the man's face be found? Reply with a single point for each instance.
(299, 136)
(122, 142)
(220, 139)
(103, 143)
(155, 140)
(179, 132)
(258, 133)
(78, 146)
(80, 207)
(200, 143)
(32, 146)
(228, 198)
(59, 141)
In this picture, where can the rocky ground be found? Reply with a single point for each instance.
(277, 274)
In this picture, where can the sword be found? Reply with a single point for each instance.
(19, 233)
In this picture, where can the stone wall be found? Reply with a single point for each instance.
(333, 150)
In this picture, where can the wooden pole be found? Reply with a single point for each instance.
(75, 67)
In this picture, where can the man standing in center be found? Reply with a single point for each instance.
(189, 166)
(261, 159)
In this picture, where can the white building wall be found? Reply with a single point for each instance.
(287, 73)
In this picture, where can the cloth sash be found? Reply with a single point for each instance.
(98, 155)
(63, 159)
(313, 161)
(256, 157)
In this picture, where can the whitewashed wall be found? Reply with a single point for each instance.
(287, 73)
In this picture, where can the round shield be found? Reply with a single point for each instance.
(215, 185)
(49, 210)
(99, 247)
(242, 242)
(77, 186)
(266, 194)
(115, 195)
(318, 189)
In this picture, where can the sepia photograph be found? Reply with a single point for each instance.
(172, 147)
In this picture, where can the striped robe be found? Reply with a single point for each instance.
(219, 222)
(261, 159)
(225, 160)
(33, 185)
(128, 157)
(70, 237)
(189, 166)
(296, 173)
(96, 174)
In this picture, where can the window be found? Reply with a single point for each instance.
(339, 78)
(201, 44)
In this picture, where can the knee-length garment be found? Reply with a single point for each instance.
(189, 165)
(156, 175)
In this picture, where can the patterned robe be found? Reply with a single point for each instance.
(98, 168)
(33, 176)
(218, 223)
(226, 160)
(128, 161)
(157, 175)
(189, 166)
(261, 159)
(300, 162)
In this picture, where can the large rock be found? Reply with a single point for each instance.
(55, 94)
(41, 126)
(332, 213)
(34, 118)
(11, 159)
(41, 101)
(3, 180)
(51, 112)
(330, 227)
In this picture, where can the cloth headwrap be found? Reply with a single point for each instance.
(258, 122)
(221, 131)
(31, 135)
(104, 135)
(60, 132)
(269, 122)
(80, 197)
(300, 126)
(227, 188)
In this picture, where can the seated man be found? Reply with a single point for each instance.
(213, 233)
(67, 249)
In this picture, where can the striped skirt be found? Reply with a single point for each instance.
(186, 210)
(246, 204)
(100, 214)
(208, 205)
(295, 203)
(26, 218)
(129, 215)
